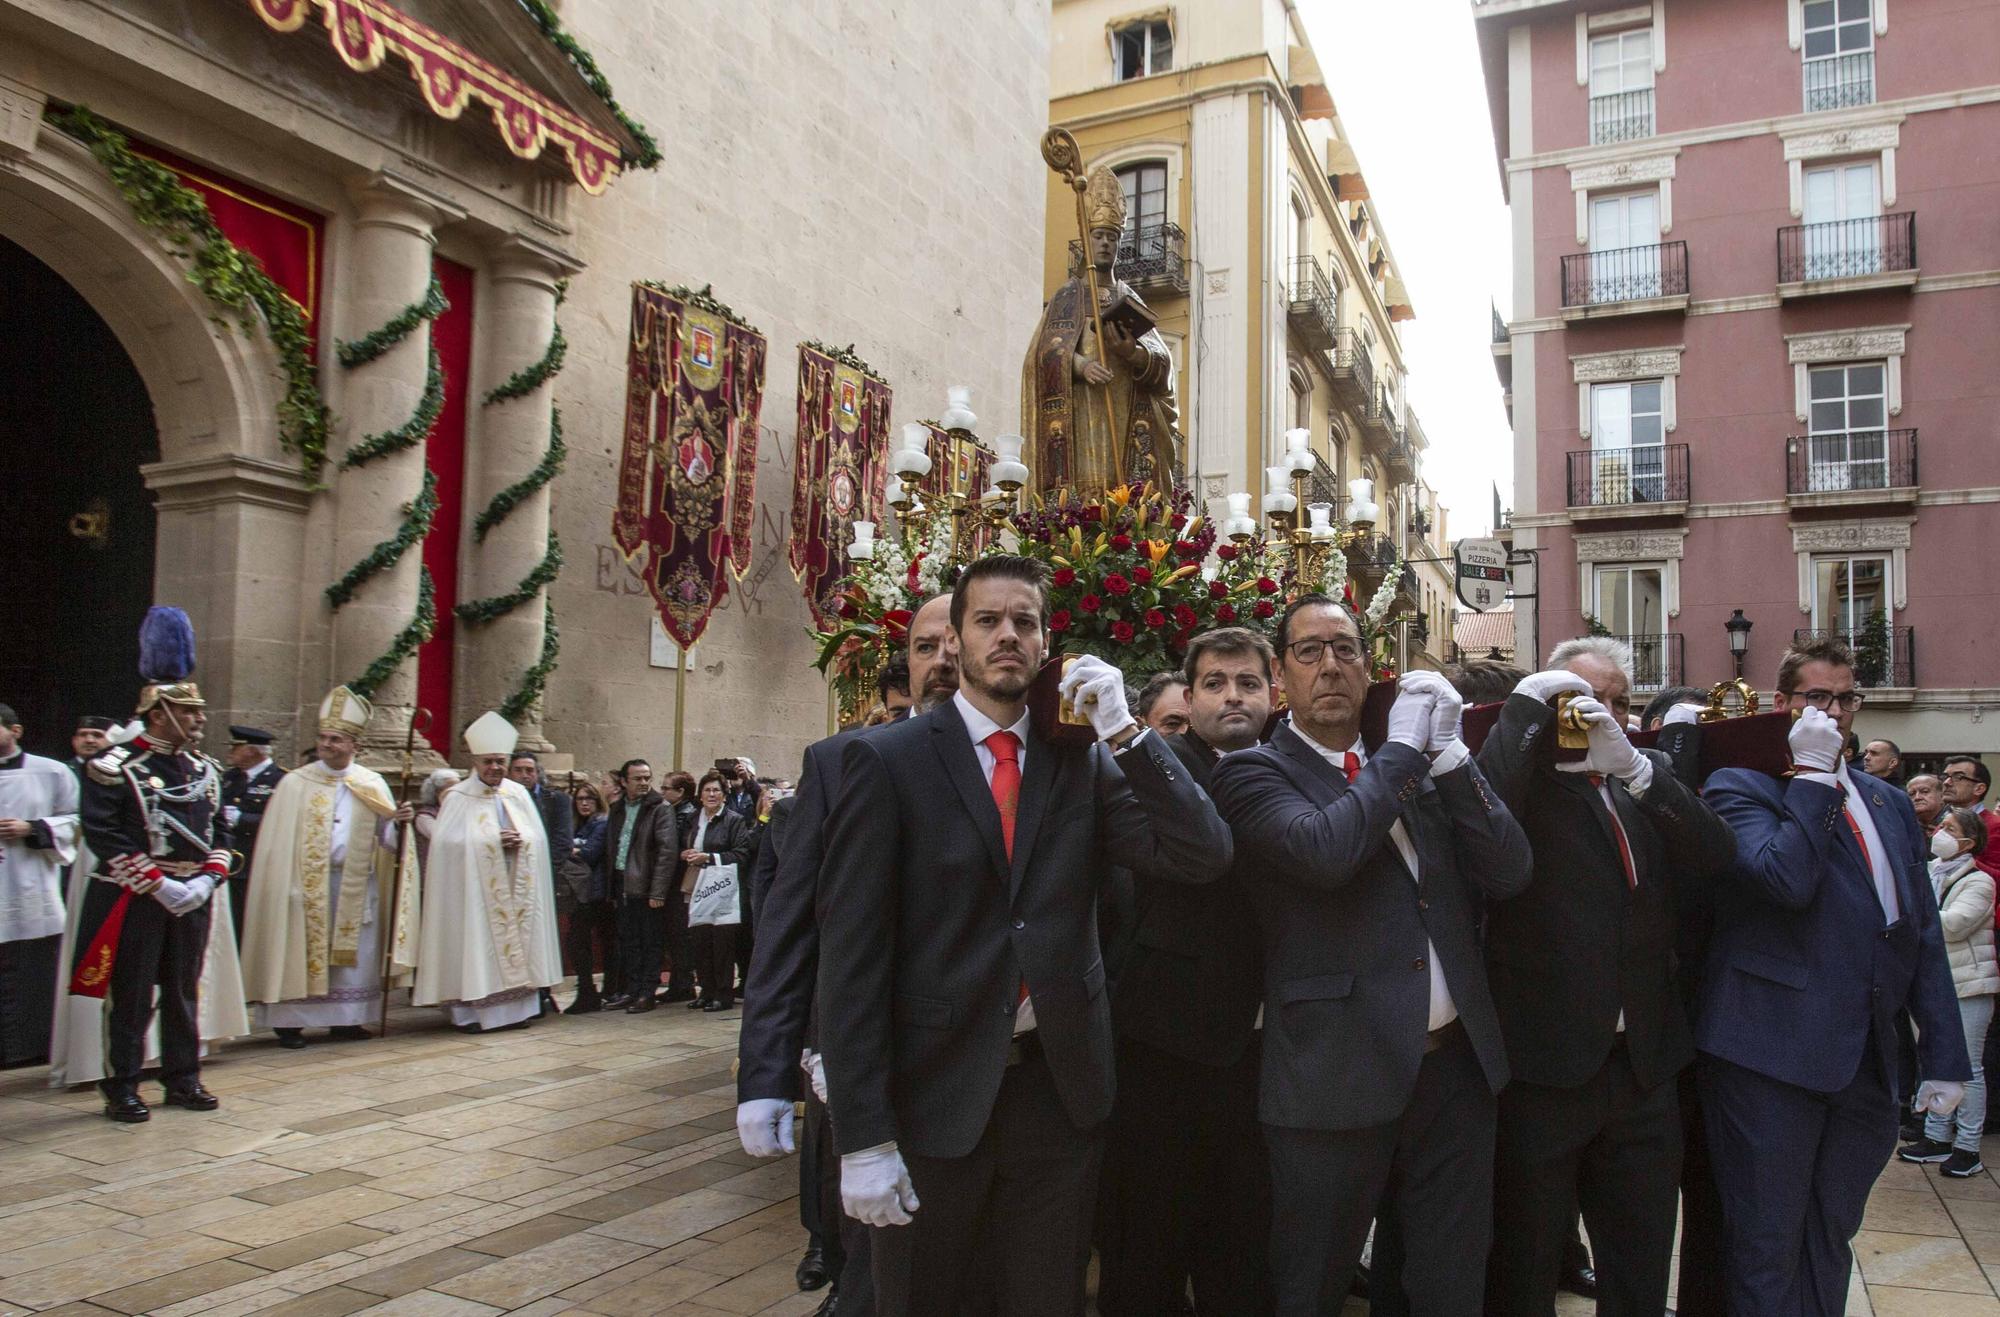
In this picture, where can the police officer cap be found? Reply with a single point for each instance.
(93, 723)
(239, 735)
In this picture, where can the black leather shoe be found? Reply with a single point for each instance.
(194, 1097)
(812, 1274)
(829, 1308)
(672, 995)
(698, 1004)
(348, 1033)
(291, 1039)
(719, 1006)
(640, 1007)
(618, 1001)
(1579, 1280)
(585, 1006)
(549, 1006)
(126, 1107)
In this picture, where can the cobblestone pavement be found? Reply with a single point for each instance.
(587, 1165)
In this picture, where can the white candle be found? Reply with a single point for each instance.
(1361, 490)
(958, 408)
(1239, 505)
(864, 532)
(1321, 515)
(913, 458)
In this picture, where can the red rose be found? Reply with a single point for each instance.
(1064, 576)
(1122, 632)
(1218, 590)
(1226, 552)
(1184, 616)
(1090, 603)
(1121, 542)
(1265, 585)
(1155, 618)
(1186, 549)
(1179, 520)
(1264, 608)
(1059, 620)
(1142, 576)
(1116, 584)
(1091, 513)
(1226, 613)
(847, 608)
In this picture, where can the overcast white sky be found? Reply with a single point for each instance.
(1406, 76)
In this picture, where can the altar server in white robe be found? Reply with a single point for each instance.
(327, 868)
(38, 836)
(490, 943)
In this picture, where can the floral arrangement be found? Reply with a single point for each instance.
(877, 599)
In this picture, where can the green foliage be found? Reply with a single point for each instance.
(702, 299)
(529, 378)
(845, 356)
(226, 274)
(508, 499)
(369, 346)
(1873, 652)
(535, 679)
(406, 643)
(1593, 627)
(543, 572)
(649, 151)
(411, 432)
(417, 516)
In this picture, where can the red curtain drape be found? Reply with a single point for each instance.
(445, 454)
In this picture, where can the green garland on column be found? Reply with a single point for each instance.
(535, 679)
(497, 607)
(407, 642)
(417, 516)
(545, 471)
(529, 378)
(226, 274)
(370, 346)
(361, 351)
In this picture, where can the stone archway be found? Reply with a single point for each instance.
(231, 504)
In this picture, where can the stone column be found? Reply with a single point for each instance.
(515, 319)
(387, 269)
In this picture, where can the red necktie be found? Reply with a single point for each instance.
(1350, 764)
(1618, 831)
(1006, 748)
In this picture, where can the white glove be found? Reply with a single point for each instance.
(194, 895)
(1610, 753)
(173, 894)
(816, 1073)
(765, 1126)
(1096, 690)
(1410, 715)
(230, 814)
(1682, 713)
(1445, 714)
(875, 1187)
(1545, 686)
(1816, 741)
(1938, 1097)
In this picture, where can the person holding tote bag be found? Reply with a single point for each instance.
(1965, 908)
(717, 838)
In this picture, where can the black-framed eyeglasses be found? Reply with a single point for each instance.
(1822, 700)
(1313, 652)
(1960, 777)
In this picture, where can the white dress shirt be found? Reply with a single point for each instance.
(979, 727)
(1878, 854)
(1443, 1009)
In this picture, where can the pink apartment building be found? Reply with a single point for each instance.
(1754, 362)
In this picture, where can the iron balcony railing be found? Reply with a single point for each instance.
(1626, 274)
(1850, 459)
(1657, 660)
(1883, 655)
(1618, 477)
(1309, 302)
(1352, 361)
(1845, 249)
(1151, 257)
(1839, 81)
(1500, 333)
(1323, 485)
(1621, 117)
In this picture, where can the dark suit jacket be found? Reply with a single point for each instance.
(653, 864)
(558, 821)
(784, 957)
(1581, 945)
(1346, 974)
(1802, 968)
(927, 929)
(770, 847)
(1193, 975)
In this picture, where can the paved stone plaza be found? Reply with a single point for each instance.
(586, 1165)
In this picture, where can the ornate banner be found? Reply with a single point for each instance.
(364, 32)
(958, 466)
(839, 469)
(687, 477)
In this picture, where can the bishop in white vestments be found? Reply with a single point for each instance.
(38, 836)
(327, 867)
(490, 943)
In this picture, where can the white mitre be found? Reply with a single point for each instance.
(491, 735)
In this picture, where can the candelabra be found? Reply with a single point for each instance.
(971, 511)
(1311, 542)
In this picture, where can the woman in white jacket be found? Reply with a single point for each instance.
(1965, 907)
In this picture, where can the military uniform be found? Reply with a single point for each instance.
(150, 816)
(246, 793)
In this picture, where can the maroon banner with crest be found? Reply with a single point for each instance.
(958, 466)
(839, 475)
(687, 477)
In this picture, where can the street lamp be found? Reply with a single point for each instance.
(1738, 627)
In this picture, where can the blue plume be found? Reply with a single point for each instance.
(166, 646)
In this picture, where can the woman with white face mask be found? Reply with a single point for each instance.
(1965, 908)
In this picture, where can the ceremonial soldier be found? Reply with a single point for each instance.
(90, 739)
(246, 793)
(150, 808)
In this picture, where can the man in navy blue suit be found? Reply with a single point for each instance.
(1825, 934)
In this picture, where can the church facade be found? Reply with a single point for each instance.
(410, 478)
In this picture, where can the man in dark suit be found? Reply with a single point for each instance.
(1188, 1183)
(643, 864)
(1382, 1053)
(1582, 967)
(1825, 933)
(784, 971)
(970, 1063)
(558, 813)
(247, 785)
